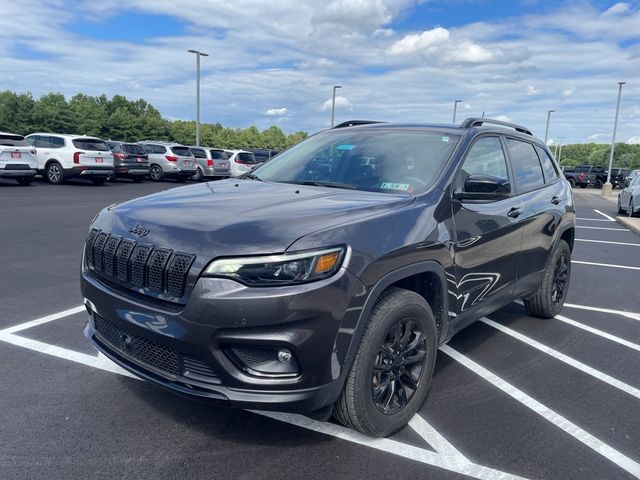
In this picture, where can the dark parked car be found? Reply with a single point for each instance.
(596, 172)
(619, 176)
(130, 160)
(578, 178)
(262, 155)
(331, 274)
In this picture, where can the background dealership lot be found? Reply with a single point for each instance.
(512, 395)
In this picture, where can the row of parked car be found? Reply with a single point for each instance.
(584, 176)
(58, 157)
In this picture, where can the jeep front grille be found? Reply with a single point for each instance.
(138, 265)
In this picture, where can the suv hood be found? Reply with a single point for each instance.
(240, 217)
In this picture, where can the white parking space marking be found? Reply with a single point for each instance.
(607, 241)
(605, 228)
(604, 215)
(632, 315)
(603, 377)
(593, 219)
(437, 441)
(558, 420)
(595, 331)
(40, 321)
(605, 265)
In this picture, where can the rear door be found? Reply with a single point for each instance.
(134, 155)
(91, 152)
(14, 150)
(539, 186)
(186, 160)
(488, 237)
(220, 160)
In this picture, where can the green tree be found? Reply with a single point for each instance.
(52, 113)
(16, 112)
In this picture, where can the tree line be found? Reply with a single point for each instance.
(624, 155)
(118, 118)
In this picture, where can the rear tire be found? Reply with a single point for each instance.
(391, 373)
(631, 211)
(572, 182)
(99, 181)
(620, 210)
(54, 173)
(198, 176)
(548, 299)
(155, 173)
(599, 184)
(24, 181)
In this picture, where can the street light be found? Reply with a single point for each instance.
(333, 103)
(198, 55)
(606, 188)
(455, 108)
(546, 130)
(560, 150)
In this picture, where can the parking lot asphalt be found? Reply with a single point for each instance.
(512, 396)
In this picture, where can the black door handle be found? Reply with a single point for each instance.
(556, 200)
(515, 212)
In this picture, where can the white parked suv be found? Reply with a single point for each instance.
(241, 162)
(211, 163)
(17, 158)
(169, 159)
(61, 157)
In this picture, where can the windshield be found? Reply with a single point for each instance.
(381, 161)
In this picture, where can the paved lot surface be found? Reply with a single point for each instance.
(512, 396)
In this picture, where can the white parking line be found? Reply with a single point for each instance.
(631, 315)
(40, 321)
(558, 420)
(593, 219)
(595, 331)
(605, 228)
(603, 377)
(607, 241)
(437, 441)
(605, 265)
(605, 215)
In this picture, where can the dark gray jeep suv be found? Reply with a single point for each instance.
(333, 272)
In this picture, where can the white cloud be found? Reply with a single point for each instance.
(567, 92)
(634, 140)
(531, 90)
(597, 136)
(418, 43)
(341, 102)
(472, 53)
(358, 14)
(383, 33)
(617, 9)
(276, 112)
(502, 118)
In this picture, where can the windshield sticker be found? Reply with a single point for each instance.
(445, 138)
(396, 186)
(345, 147)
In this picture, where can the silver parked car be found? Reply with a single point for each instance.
(170, 160)
(629, 197)
(210, 163)
(17, 158)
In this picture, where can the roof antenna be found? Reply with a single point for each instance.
(483, 114)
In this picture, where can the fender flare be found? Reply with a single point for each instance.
(375, 292)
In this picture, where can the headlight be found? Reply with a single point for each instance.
(274, 270)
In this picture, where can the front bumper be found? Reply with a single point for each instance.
(220, 314)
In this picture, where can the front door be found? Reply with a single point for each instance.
(488, 237)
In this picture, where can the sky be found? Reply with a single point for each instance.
(276, 61)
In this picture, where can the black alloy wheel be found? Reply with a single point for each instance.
(560, 278)
(398, 366)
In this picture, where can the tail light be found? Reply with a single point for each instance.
(581, 176)
(209, 163)
(120, 155)
(171, 158)
(76, 157)
(238, 160)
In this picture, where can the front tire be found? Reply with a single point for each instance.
(631, 210)
(548, 299)
(392, 369)
(572, 182)
(620, 209)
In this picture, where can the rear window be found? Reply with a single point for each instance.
(90, 144)
(247, 157)
(133, 149)
(151, 148)
(219, 155)
(198, 152)
(13, 140)
(181, 151)
(583, 169)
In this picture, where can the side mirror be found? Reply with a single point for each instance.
(483, 187)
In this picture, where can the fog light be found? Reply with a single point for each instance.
(284, 356)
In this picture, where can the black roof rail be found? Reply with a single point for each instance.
(353, 123)
(478, 122)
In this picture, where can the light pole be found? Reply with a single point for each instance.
(455, 108)
(606, 188)
(560, 149)
(198, 55)
(333, 104)
(546, 130)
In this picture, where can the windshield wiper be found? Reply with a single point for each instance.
(317, 183)
(251, 176)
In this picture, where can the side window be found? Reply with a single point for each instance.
(550, 172)
(30, 140)
(525, 164)
(56, 142)
(485, 157)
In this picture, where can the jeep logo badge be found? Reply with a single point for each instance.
(139, 231)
